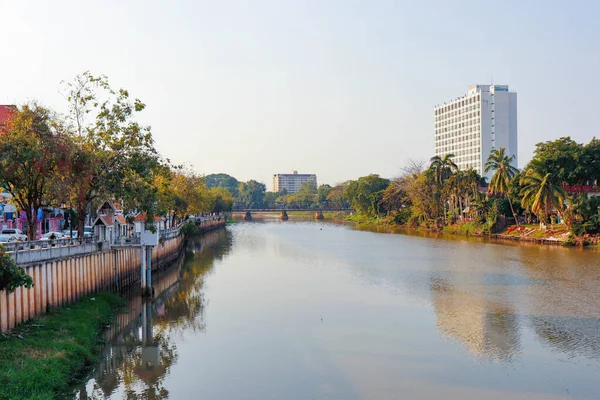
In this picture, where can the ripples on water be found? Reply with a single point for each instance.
(307, 310)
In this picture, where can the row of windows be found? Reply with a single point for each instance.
(457, 113)
(464, 133)
(457, 152)
(470, 119)
(458, 104)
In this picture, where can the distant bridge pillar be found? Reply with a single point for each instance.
(284, 216)
(319, 215)
(248, 216)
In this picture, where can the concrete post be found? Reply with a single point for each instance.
(149, 269)
(143, 274)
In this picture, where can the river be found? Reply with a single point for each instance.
(314, 310)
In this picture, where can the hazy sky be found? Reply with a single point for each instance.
(337, 88)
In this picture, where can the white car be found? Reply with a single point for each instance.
(19, 236)
(52, 236)
(6, 238)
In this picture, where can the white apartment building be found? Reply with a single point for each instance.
(292, 182)
(471, 126)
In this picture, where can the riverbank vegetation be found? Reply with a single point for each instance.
(552, 198)
(41, 358)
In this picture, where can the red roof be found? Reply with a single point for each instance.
(107, 221)
(142, 217)
(120, 219)
(6, 112)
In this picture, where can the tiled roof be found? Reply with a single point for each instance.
(143, 216)
(107, 221)
(120, 219)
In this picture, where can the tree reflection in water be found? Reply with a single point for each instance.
(141, 352)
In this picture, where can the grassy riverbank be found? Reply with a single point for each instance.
(41, 358)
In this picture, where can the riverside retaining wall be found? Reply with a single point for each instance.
(61, 281)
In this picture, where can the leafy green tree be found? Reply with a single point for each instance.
(115, 155)
(305, 197)
(365, 193)
(33, 153)
(272, 198)
(500, 162)
(322, 192)
(336, 197)
(251, 194)
(221, 198)
(223, 180)
(563, 158)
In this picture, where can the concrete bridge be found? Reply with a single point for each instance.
(284, 213)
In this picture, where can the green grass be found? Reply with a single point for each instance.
(40, 359)
(365, 219)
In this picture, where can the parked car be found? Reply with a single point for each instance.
(6, 238)
(19, 236)
(87, 232)
(67, 233)
(52, 236)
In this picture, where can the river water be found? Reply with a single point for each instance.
(313, 310)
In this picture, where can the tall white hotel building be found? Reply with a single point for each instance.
(471, 126)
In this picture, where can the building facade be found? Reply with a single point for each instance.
(292, 182)
(471, 126)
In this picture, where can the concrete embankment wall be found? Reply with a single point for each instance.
(61, 281)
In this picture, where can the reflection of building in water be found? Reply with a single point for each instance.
(487, 329)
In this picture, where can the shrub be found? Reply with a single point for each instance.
(11, 276)
(189, 228)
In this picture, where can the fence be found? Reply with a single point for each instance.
(63, 281)
(65, 270)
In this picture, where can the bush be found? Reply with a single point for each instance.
(570, 241)
(189, 228)
(11, 276)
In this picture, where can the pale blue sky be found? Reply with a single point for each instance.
(336, 88)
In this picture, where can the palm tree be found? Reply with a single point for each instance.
(541, 194)
(499, 184)
(442, 167)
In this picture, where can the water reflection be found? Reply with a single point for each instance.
(488, 329)
(313, 310)
(140, 350)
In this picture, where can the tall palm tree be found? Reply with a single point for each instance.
(442, 167)
(541, 194)
(499, 162)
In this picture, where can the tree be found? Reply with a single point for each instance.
(442, 167)
(252, 194)
(364, 194)
(221, 198)
(222, 180)
(499, 162)
(33, 151)
(322, 192)
(115, 155)
(306, 196)
(336, 197)
(562, 159)
(541, 194)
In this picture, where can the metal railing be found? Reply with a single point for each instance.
(45, 244)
